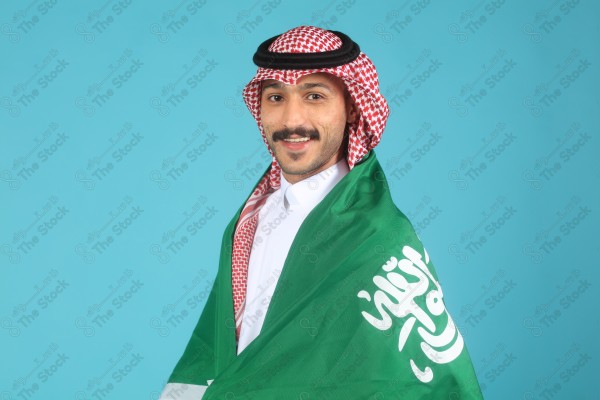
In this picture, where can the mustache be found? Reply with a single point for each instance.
(286, 133)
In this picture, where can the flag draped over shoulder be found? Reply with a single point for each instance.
(357, 313)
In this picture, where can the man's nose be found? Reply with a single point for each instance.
(293, 113)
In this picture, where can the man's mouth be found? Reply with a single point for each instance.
(297, 135)
(297, 140)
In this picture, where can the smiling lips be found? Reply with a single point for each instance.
(296, 143)
(297, 140)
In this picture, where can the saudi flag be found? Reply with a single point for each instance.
(357, 313)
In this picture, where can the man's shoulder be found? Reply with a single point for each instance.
(365, 191)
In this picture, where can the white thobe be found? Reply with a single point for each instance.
(278, 222)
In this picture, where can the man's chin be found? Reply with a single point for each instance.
(293, 159)
(295, 169)
(295, 172)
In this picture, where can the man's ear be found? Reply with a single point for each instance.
(351, 110)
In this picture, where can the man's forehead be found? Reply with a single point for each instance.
(317, 79)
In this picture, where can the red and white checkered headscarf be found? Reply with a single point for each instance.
(359, 76)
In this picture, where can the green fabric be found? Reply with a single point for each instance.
(317, 341)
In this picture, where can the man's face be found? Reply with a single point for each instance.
(305, 123)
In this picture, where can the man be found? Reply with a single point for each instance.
(324, 290)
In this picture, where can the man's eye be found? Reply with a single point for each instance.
(314, 96)
(275, 97)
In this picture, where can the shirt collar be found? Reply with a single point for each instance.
(309, 192)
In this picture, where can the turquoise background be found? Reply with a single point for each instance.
(126, 148)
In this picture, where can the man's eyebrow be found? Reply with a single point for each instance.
(274, 85)
(311, 85)
(304, 86)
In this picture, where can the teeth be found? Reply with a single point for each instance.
(304, 139)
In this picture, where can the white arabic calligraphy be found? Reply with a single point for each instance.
(394, 286)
